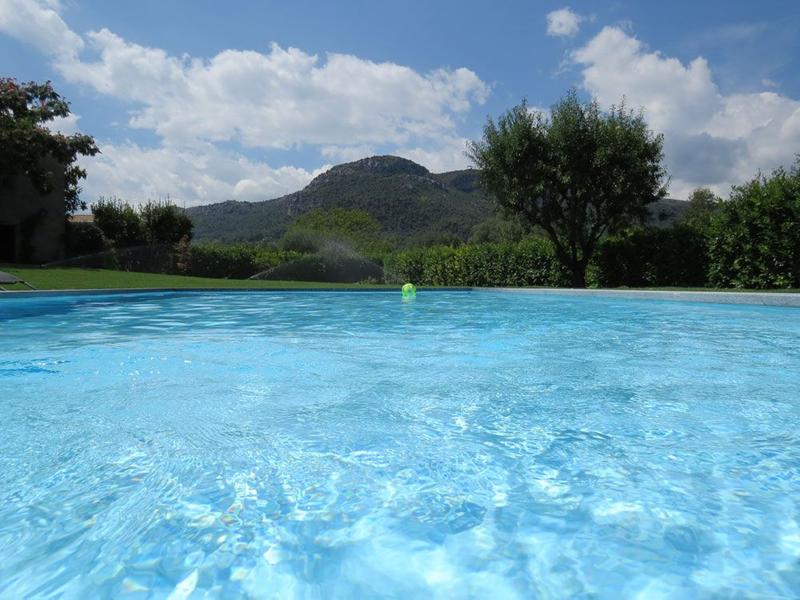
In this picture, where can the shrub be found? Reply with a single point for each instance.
(84, 238)
(651, 257)
(355, 228)
(703, 205)
(236, 261)
(754, 241)
(119, 222)
(165, 223)
(326, 267)
(526, 263)
(498, 230)
(154, 223)
(304, 241)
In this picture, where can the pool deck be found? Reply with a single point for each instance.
(776, 298)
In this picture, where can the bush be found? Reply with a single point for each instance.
(304, 241)
(498, 230)
(326, 267)
(652, 257)
(703, 206)
(154, 223)
(143, 259)
(119, 222)
(529, 262)
(165, 223)
(235, 261)
(84, 238)
(355, 228)
(754, 241)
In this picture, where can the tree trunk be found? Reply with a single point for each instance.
(578, 275)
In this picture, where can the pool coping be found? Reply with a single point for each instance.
(782, 299)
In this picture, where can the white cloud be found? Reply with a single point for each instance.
(195, 176)
(448, 155)
(563, 22)
(284, 98)
(348, 153)
(710, 138)
(39, 24)
(66, 125)
(279, 99)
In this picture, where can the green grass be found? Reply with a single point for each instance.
(65, 278)
(70, 278)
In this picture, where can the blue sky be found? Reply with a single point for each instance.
(199, 104)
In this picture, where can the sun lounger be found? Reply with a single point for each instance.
(9, 279)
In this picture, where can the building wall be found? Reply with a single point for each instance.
(36, 221)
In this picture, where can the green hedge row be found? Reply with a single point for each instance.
(754, 241)
(646, 257)
(328, 268)
(234, 261)
(525, 263)
(677, 256)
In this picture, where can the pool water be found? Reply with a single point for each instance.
(352, 445)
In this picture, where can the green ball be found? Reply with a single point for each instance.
(409, 290)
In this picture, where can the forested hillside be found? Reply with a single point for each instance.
(404, 197)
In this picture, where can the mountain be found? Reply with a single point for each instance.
(405, 198)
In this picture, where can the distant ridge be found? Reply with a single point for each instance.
(403, 196)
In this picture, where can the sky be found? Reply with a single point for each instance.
(199, 101)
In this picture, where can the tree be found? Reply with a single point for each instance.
(498, 230)
(578, 174)
(321, 227)
(703, 205)
(25, 141)
(119, 222)
(153, 223)
(754, 241)
(165, 223)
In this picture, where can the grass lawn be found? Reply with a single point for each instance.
(69, 278)
(72, 278)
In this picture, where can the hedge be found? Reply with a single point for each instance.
(234, 261)
(329, 268)
(652, 258)
(527, 263)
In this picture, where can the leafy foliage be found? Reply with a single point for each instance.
(650, 257)
(702, 207)
(26, 143)
(529, 262)
(235, 261)
(578, 174)
(498, 230)
(119, 222)
(754, 241)
(154, 223)
(326, 267)
(311, 231)
(84, 238)
(165, 223)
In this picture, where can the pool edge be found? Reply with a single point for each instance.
(780, 299)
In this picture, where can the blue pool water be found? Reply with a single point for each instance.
(337, 445)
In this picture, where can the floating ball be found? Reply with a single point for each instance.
(408, 290)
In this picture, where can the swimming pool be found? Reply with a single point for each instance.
(353, 445)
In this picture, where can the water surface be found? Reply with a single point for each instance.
(322, 445)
